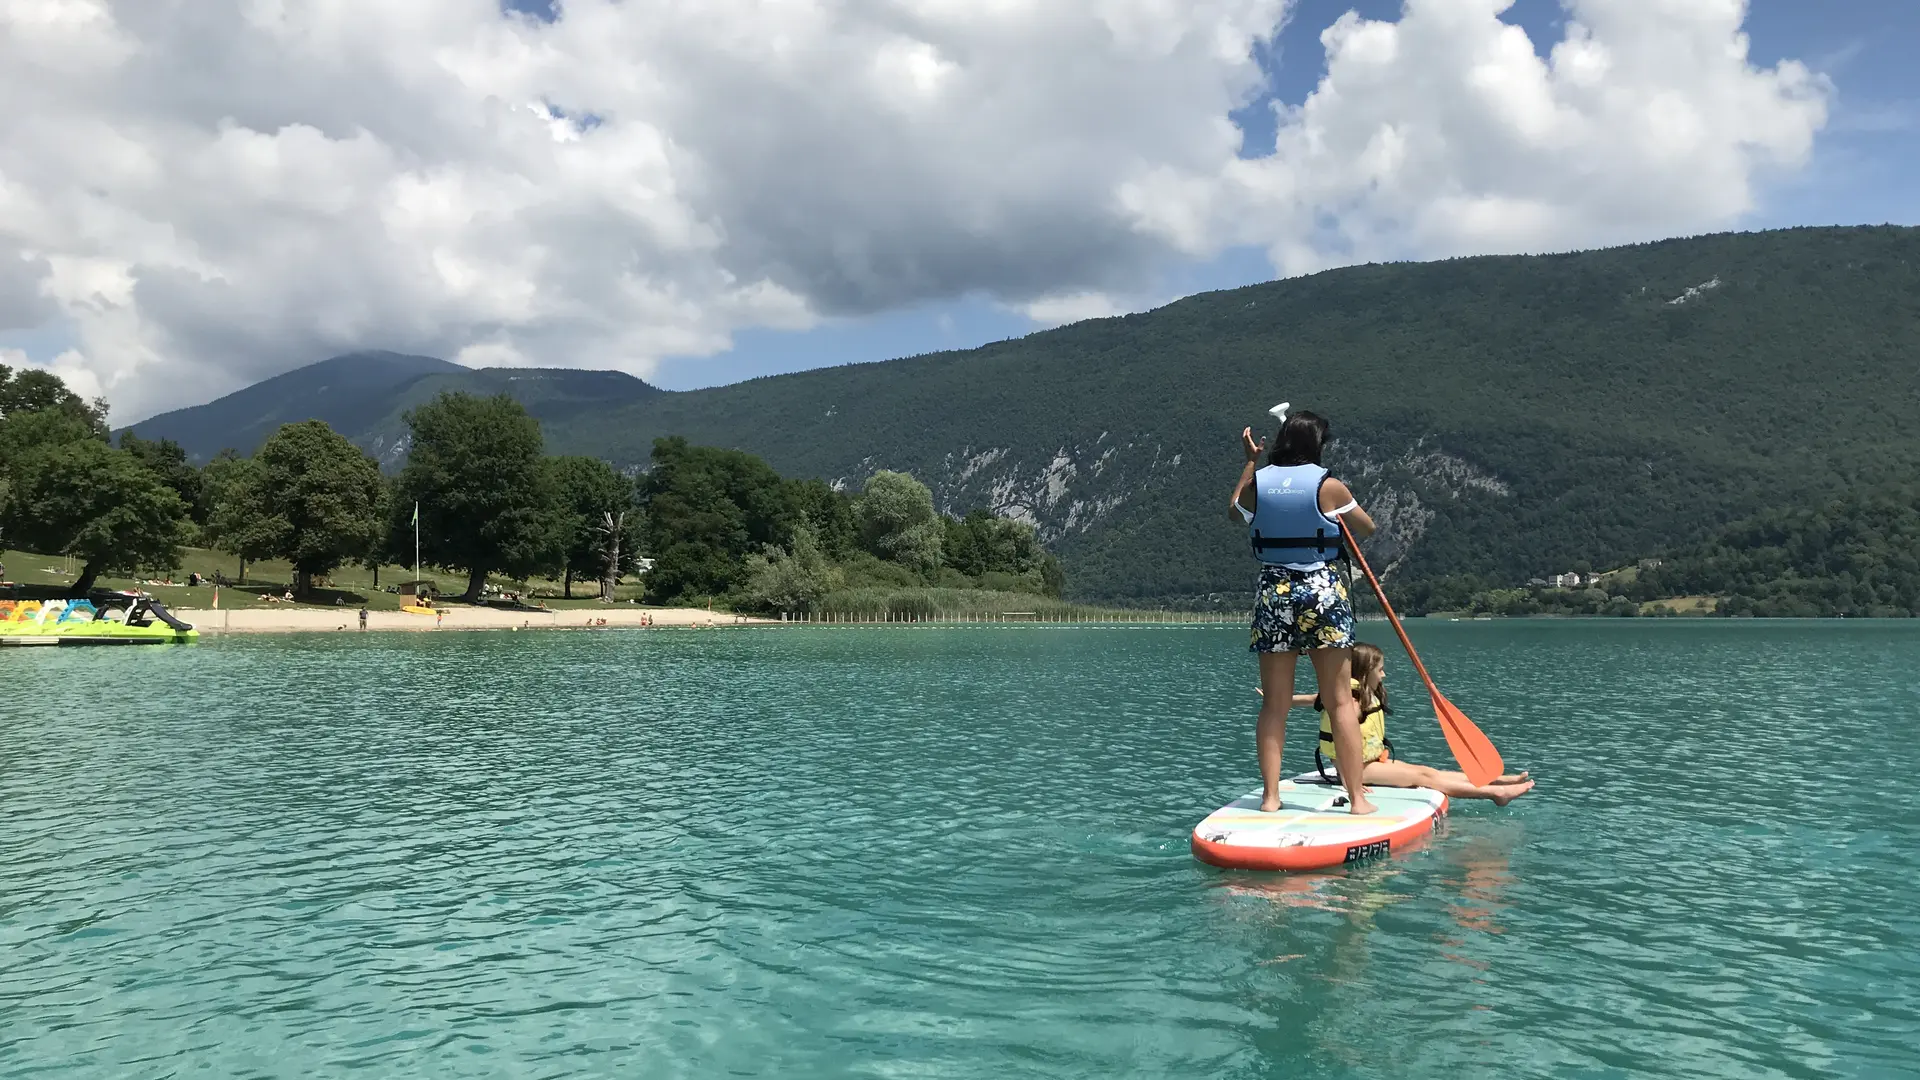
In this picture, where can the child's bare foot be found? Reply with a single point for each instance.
(1507, 796)
(1362, 806)
(1270, 804)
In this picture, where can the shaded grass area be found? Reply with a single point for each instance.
(351, 586)
(354, 586)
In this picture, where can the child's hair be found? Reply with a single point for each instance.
(1369, 667)
(1300, 440)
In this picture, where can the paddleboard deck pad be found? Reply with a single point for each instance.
(1312, 829)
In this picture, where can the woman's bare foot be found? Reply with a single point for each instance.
(1506, 796)
(1270, 804)
(1512, 778)
(1362, 806)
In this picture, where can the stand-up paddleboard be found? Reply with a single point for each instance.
(1312, 828)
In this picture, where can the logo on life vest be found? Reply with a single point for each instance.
(1368, 851)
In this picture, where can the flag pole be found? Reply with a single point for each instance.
(416, 545)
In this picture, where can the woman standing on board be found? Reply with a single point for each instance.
(1290, 507)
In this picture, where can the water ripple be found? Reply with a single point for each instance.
(944, 852)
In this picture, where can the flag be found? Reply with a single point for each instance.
(416, 513)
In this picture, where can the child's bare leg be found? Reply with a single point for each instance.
(1334, 670)
(1270, 732)
(1451, 784)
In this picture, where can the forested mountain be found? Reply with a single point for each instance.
(1502, 417)
(367, 394)
(351, 393)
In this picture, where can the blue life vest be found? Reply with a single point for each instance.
(1288, 527)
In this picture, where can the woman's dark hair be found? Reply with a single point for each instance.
(1299, 440)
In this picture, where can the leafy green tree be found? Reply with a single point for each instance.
(167, 461)
(476, 472)
(983, 544)
(898, 521)
(29, 390)
(591, 494)
(383, 553)
(26, 429)
(98, 504)
(24, 433)
(323, 498)
(1855, 556)
(829, 511)
(792, 582)
(241, 522)
(705, 509)
(65, 490)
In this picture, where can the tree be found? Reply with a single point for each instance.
(705, 510)
(898, 522)
(24, 434)
(830, 512)
(240, 522)
(168, 463)
(323, 498)
(28, 390)
(982, 544)
(616, 530)
(794, 581)
(65, 490)
(382, 553)
(594, 499)
(97, 504)
(475, 471)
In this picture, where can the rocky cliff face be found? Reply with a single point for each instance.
(1072, 492)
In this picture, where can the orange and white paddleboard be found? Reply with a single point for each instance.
(1312, 829)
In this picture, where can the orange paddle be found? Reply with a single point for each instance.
(1473, 750)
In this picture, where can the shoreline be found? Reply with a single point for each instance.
(215, 622)
(212, 622)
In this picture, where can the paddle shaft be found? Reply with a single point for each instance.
(1477, 757)
(1354, 546)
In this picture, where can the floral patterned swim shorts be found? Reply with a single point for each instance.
(1298, 610)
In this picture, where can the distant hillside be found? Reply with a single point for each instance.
(559, 397)
(1502, 417)
(364, 396)
(351, 393)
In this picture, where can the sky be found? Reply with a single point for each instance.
(198, 194)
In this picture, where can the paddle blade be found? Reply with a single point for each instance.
(1472, 750)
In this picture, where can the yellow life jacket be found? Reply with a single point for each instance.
(1373, 730)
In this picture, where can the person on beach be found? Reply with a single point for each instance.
(1369, 690)
(1292, 509)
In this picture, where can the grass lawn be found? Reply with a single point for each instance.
(352, 585)
(1686, 605)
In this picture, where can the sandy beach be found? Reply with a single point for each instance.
(297, 619)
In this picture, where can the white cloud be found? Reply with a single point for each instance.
(1446, 133)
(211, 191)
(70, 366)
(1071, 307)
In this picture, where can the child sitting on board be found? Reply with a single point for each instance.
(1370, 690)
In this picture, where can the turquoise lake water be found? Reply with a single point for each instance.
(945, 852)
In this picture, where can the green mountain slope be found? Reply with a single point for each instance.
(365, 396)
(351, 393)
(1502, 417)
(557, 397)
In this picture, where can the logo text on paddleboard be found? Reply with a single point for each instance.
(1368, 851)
